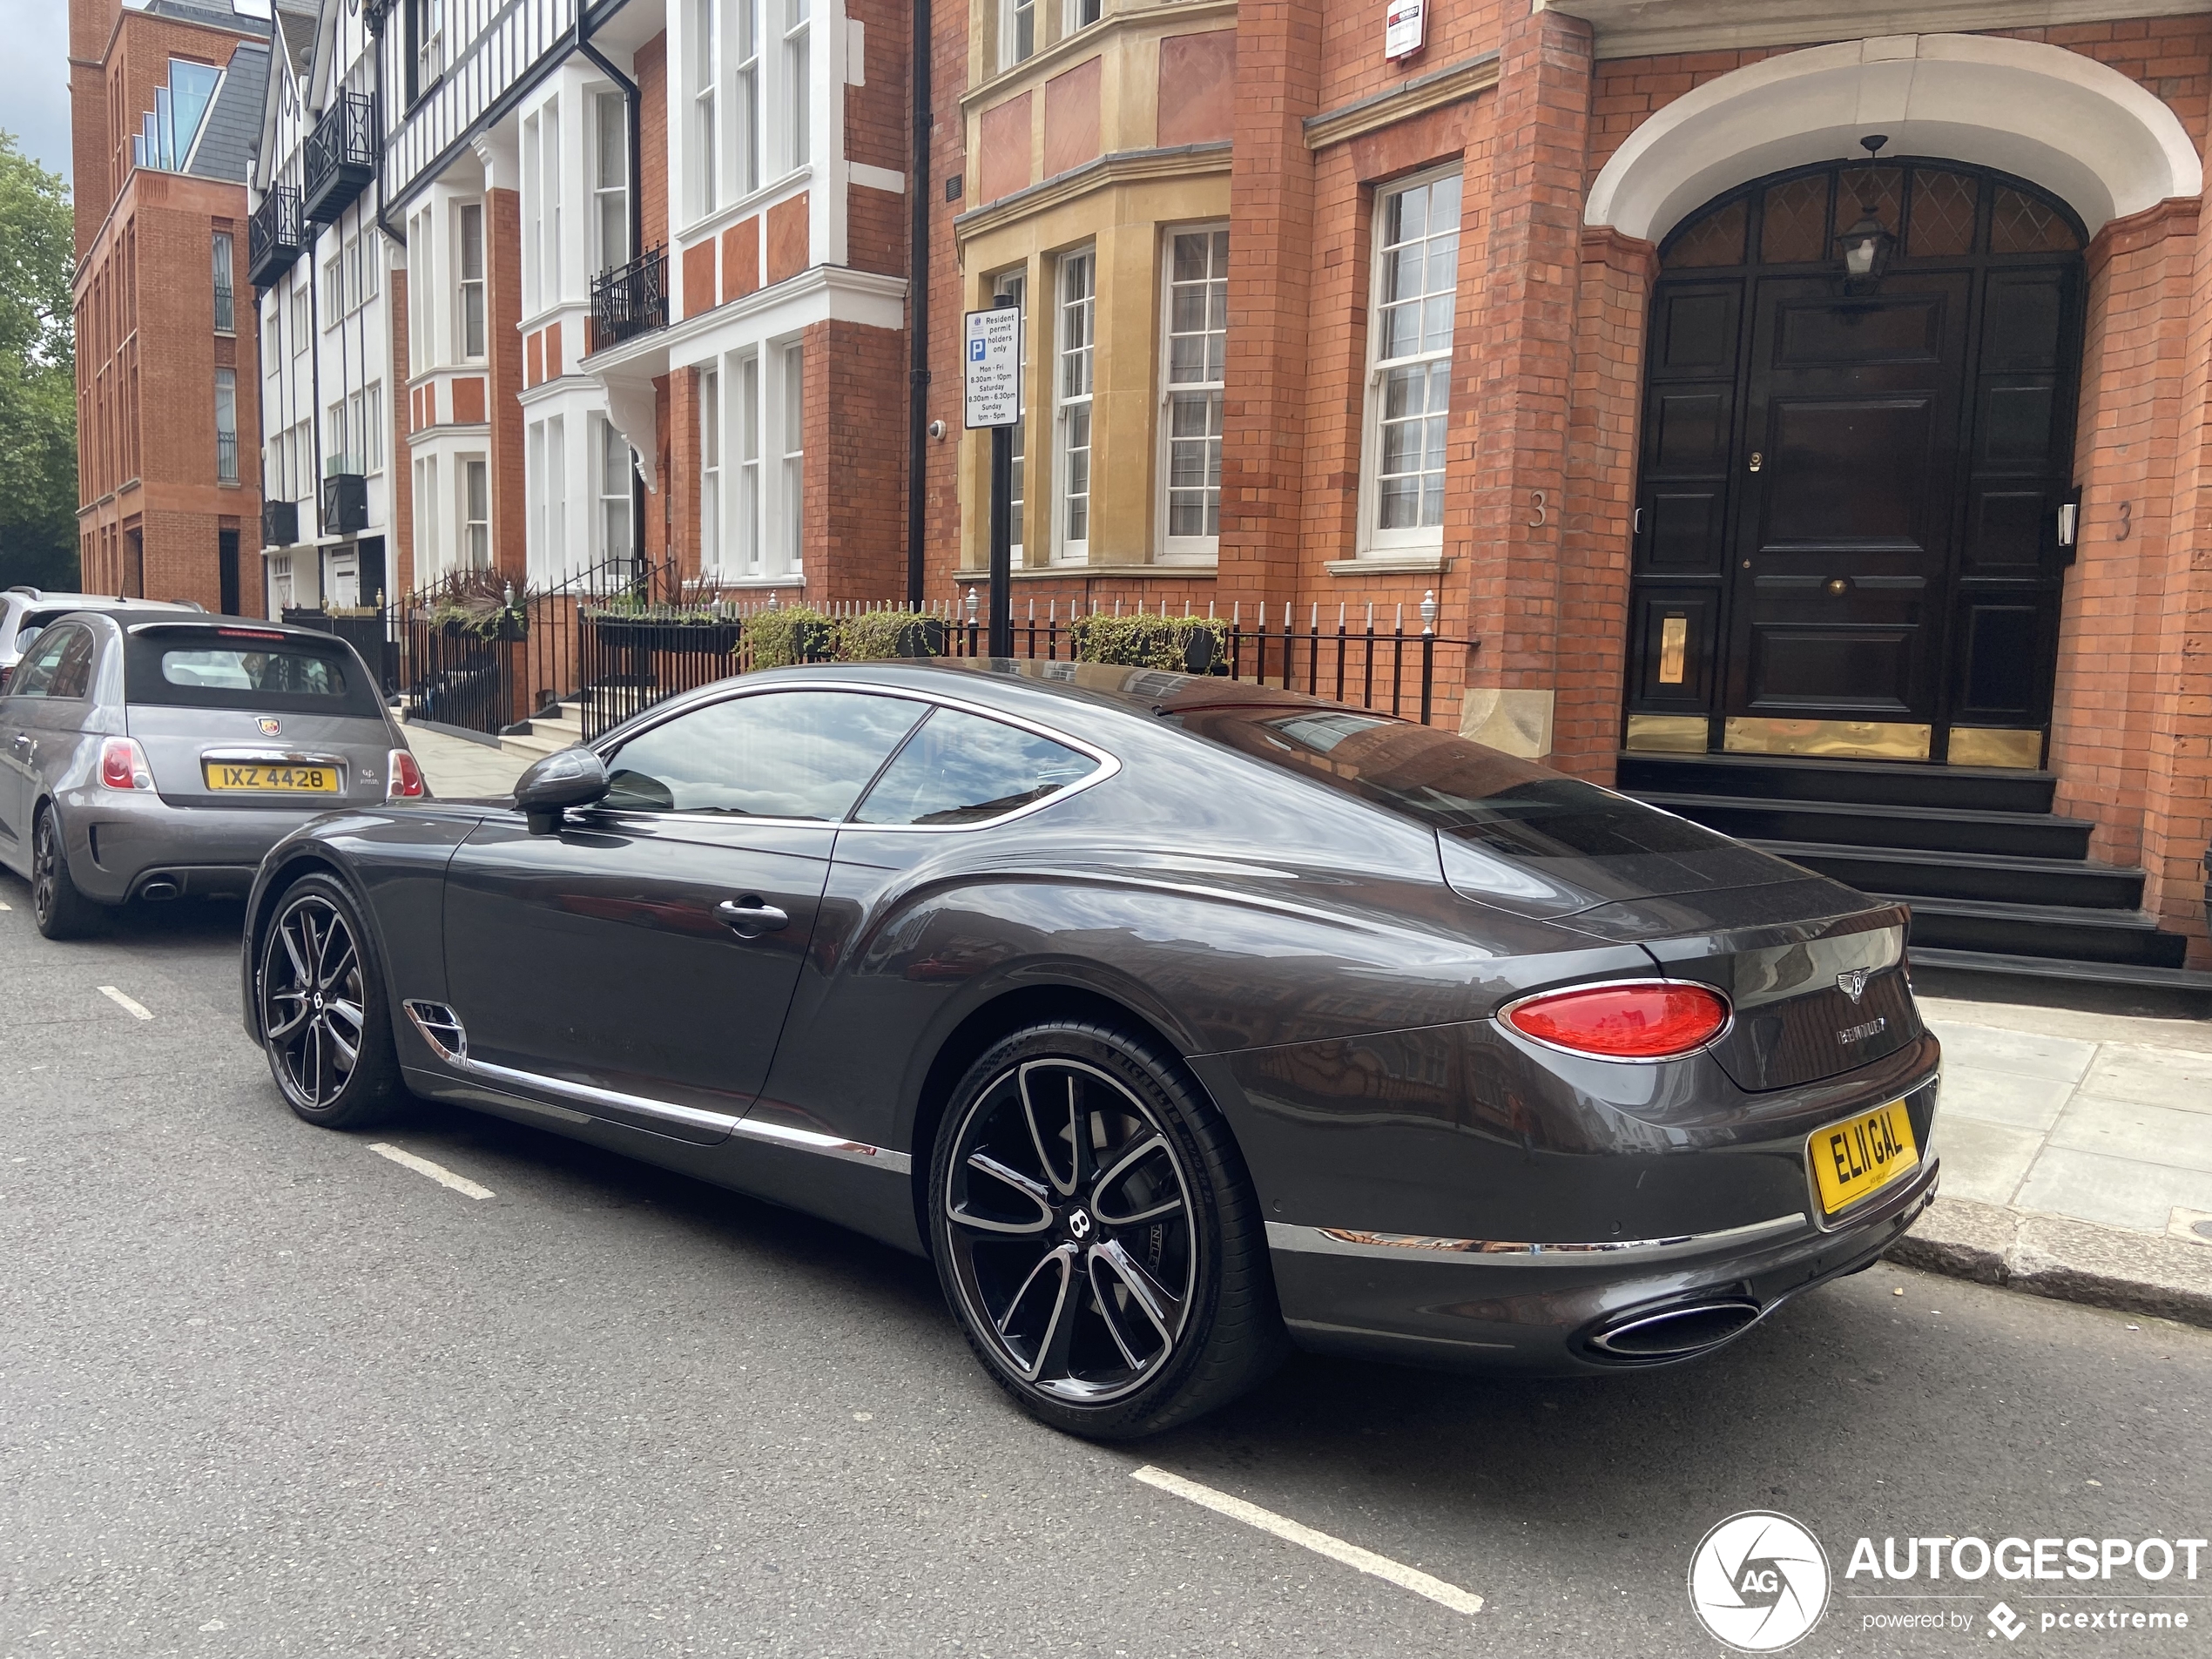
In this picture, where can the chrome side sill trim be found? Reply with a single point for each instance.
(1351, 1241)
(691, 1116)
(442, 1029)
(1368, 1333)
(807, 1140)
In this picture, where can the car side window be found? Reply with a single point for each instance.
(774, 754)
(962, 768)
(73, 670)
(34, 676)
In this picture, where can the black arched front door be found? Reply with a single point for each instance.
(1848, 537)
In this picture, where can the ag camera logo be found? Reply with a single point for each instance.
(1758, 1581)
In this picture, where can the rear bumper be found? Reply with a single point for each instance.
(1539, 1312)
(120, 841)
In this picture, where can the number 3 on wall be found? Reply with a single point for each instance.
(1537, 498)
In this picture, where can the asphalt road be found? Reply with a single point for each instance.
(265, 1392)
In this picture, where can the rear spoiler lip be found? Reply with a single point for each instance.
(204, 624)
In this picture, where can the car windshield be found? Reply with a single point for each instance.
(236, 669)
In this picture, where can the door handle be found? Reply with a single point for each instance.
(749, 917)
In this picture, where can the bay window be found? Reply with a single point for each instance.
(1071, 401)
(709, 470)
(1194, 323)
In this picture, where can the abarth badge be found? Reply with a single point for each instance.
(270, 725)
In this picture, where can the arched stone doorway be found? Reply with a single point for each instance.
(1849, 535)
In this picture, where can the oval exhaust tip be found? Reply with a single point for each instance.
(1677, 1333)
(159, 888)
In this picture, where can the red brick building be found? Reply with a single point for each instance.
(166, 98)
(1803, 410)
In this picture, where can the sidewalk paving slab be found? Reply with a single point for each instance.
(2077, 1153)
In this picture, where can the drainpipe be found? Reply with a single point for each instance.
(920, 183)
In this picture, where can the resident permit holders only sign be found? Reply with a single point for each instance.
(993, 363)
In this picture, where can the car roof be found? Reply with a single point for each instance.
(1153, 693)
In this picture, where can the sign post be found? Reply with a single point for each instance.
(993, 364)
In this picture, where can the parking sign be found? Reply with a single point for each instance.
(994, 367)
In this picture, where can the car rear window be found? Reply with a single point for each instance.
(236, 669)
(1507, 809)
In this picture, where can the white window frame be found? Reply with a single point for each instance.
(746, 401)
(223, 269)
(1418, 538)
(745, 117)
(534, 289)
(421, 343)
(429, 45)
(556, 495)
(471, 297)
(609, 454)
(1016, 283)
(798, 84)
(335, 454)
(1074, 361)
(610, 251)
(1013, 14)
(711, 456)
(706, 115)
(1081, 14)
(474, 482)
(1189, 548)
(791, 442)
(303, 317)
(427, 517)
(226, 422)
(555, 283)
(535, 480)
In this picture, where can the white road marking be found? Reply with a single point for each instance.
(4, 904)
(137, 1010)
(1364, 1560)
(437, 1172)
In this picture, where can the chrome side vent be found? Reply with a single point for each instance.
(1679, 1333)
(440, 1028)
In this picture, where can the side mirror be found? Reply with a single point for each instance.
(565, 778)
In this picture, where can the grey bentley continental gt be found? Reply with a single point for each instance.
(1177, 1020)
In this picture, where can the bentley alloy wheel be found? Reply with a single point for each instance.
(321, 1015)
(1078, 1224)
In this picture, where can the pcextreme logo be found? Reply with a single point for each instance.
(1758, 1581)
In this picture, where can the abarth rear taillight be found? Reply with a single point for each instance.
(407, 777)
(123, 764)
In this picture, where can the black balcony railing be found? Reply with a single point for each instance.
(340, 156)
(280, 524)
(226, 310)
(226, 457)
(345, 504)
(275, 237)
(629, 299)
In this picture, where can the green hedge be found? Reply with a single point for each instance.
(791, 634)
(1180, 644)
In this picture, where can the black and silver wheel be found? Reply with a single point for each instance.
(324, 1024)
(1096, 1236)
(60, 910)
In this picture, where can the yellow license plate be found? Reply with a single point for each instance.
(266, 779)
(1862, 1155)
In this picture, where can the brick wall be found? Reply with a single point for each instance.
(856, 461)
(503, 370)
(948, 159)
(400, 533)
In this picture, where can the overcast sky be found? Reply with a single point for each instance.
(34, 78)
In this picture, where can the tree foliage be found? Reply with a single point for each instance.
(37, 375)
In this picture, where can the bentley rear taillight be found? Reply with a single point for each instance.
(406, 776)
(1638, 1020)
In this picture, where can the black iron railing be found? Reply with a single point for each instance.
(226, 310)
(629, 299)
(226, 457)
(340, 156)
(275, 236)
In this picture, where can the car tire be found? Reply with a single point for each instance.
(1096, 1234)
(320, 1005)
(57, 905)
